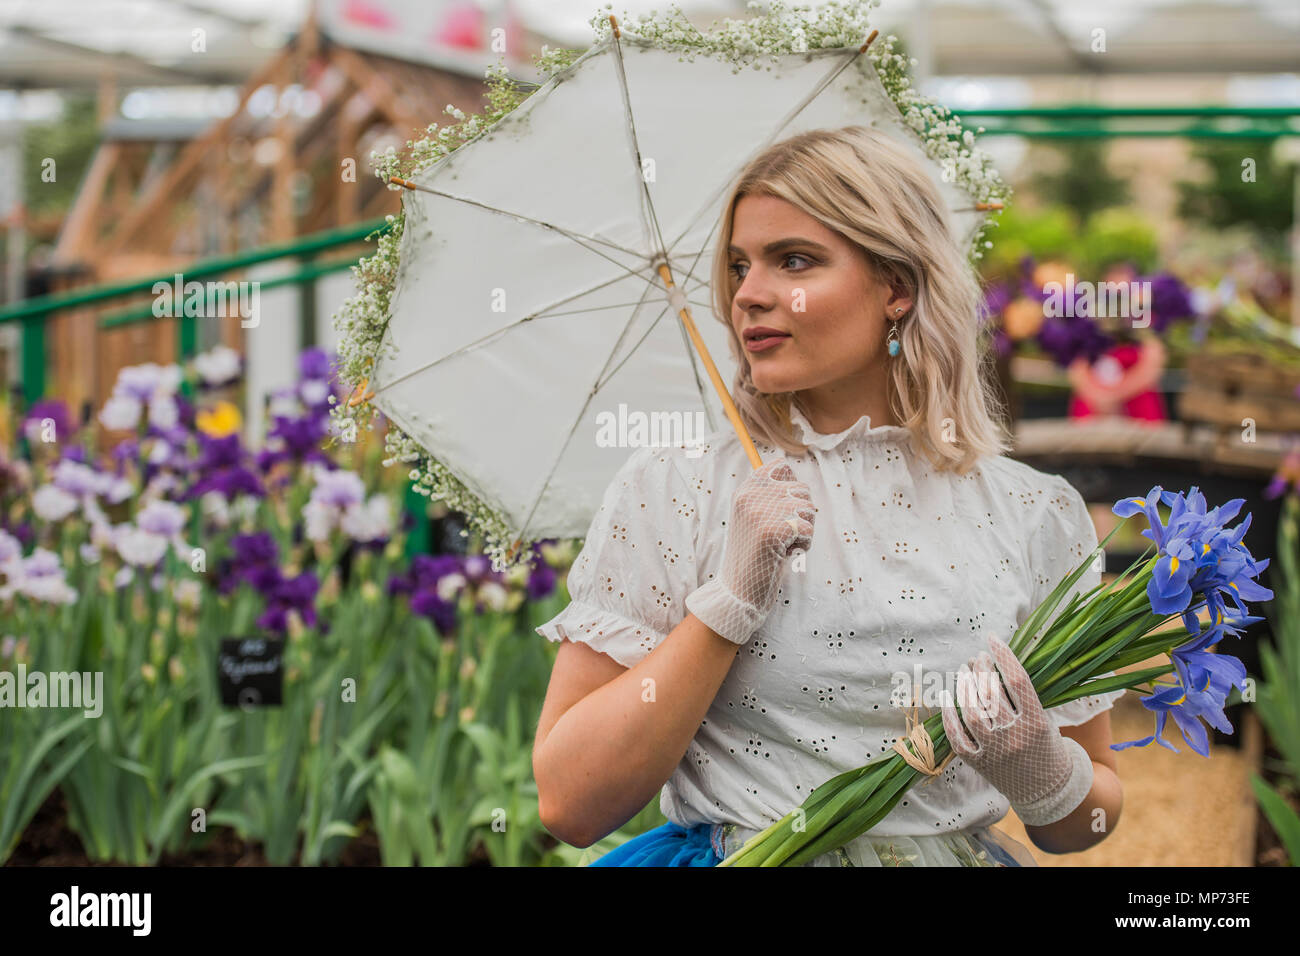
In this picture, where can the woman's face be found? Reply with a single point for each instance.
(798, 277)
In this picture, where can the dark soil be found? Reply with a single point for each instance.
(50, 841)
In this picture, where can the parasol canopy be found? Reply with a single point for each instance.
(542, 323)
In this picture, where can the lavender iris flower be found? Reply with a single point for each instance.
(56, 411)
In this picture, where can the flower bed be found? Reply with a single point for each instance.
(408, 687)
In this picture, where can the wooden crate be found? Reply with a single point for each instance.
(1228, 389)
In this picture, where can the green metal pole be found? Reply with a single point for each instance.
(417, 506)
(306, 306)
(187, 333)
(33, 359)
(1101, 132)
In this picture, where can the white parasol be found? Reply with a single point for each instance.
(549, 268)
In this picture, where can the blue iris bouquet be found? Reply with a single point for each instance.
(1199, 564)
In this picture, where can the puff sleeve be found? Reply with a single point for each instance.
(1063, 538)
(628, 584)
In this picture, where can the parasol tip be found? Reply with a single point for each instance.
(613, 22)
(398, 181)
(356, 399)
(863, 48)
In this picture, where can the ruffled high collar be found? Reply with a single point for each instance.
(860, 432)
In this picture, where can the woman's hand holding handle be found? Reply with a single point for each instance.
(771, 517)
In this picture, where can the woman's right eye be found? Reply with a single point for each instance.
(733, 269)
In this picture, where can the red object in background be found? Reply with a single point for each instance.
(1144, 406)
(514, 32)
(367, 14)
(461, 27)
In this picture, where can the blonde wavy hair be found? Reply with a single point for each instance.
(864, 186)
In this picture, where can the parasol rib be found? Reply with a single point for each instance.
(573, 429)
(794, 112)
(543, 313)
(647, 204)
(567, 233)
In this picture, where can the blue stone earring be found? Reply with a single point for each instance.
(894, 345)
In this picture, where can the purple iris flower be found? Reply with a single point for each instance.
(42, 563)
(477, 569)
(291, 594)
(257, 548)
(541, 581)
(314, 363)
(221, 465)
(162, 518)
(76, 479)
(254, 560)
(316, 381)
(187, 414)
(57, 412)
(428, 569)
(1171, 300)
(338, 488)
(295, 439)
(421, 583)
(124, 452)
(264, 578)
(442, 613)
(1067, 338)
(996, 298)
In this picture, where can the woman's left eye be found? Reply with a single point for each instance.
(797, 256)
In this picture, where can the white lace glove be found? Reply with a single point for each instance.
(1012, 743)
(771, 517)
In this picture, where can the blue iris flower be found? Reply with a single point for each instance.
(1166, 702)
(1205, 680)
(1220, 616)
(1209, 678)
(1126, 507)
(1199, 560)
(1170, 589)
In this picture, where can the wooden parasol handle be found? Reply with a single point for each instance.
(728, 405)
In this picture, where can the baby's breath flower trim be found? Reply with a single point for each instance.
(768, 34)
(783, 29)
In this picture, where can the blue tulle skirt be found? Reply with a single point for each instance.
(674, 845)
(668, 845)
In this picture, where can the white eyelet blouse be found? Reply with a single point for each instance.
(908, 568)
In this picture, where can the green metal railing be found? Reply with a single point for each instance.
(1213, 122)
(33, 312)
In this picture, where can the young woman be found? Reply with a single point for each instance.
(719, 651)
